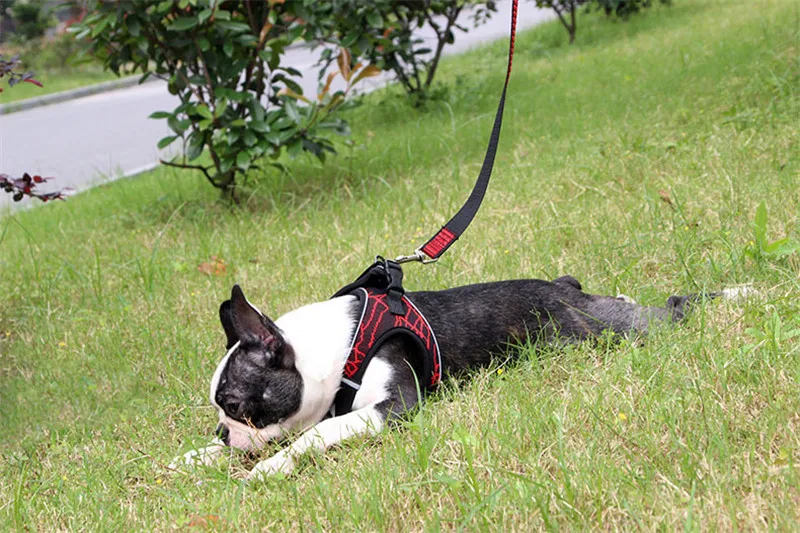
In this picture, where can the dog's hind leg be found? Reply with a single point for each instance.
(569, 280)
(623, 316)
(680, 305)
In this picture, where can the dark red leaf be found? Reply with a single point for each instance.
(35, 82)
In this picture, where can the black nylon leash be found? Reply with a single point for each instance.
(385, 277)
(450, 232)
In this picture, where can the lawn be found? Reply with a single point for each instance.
(633, 160)
(54, 81)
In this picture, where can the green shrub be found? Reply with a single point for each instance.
(32, 19)
(386, 34)
(55, 53)
(223, 59)
(625, 8)
(47, 53)
(566, 11)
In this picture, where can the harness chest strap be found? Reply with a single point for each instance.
(379, 323)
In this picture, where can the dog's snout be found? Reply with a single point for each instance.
(224, 434)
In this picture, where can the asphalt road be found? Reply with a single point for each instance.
(96, 138)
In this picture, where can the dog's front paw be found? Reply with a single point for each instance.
(203, 456)
(280, 463)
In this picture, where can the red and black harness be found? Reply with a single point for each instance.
(386, 311)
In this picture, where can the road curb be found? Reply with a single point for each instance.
(72, 94)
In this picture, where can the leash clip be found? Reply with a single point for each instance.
(418, 255)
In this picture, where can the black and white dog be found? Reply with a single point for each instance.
(283, 376)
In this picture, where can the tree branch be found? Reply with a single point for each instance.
(211, 96)
(573, 28)
(554, 5)
(451, 19)
(203, 169)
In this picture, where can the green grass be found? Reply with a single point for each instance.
(110, 336)
(54, 81)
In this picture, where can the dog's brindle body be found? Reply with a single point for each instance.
(283, 376)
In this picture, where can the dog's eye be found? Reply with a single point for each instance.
(233, 407)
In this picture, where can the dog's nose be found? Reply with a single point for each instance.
(224, 434)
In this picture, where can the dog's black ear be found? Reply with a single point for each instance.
(227, 323)
(249, 325)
